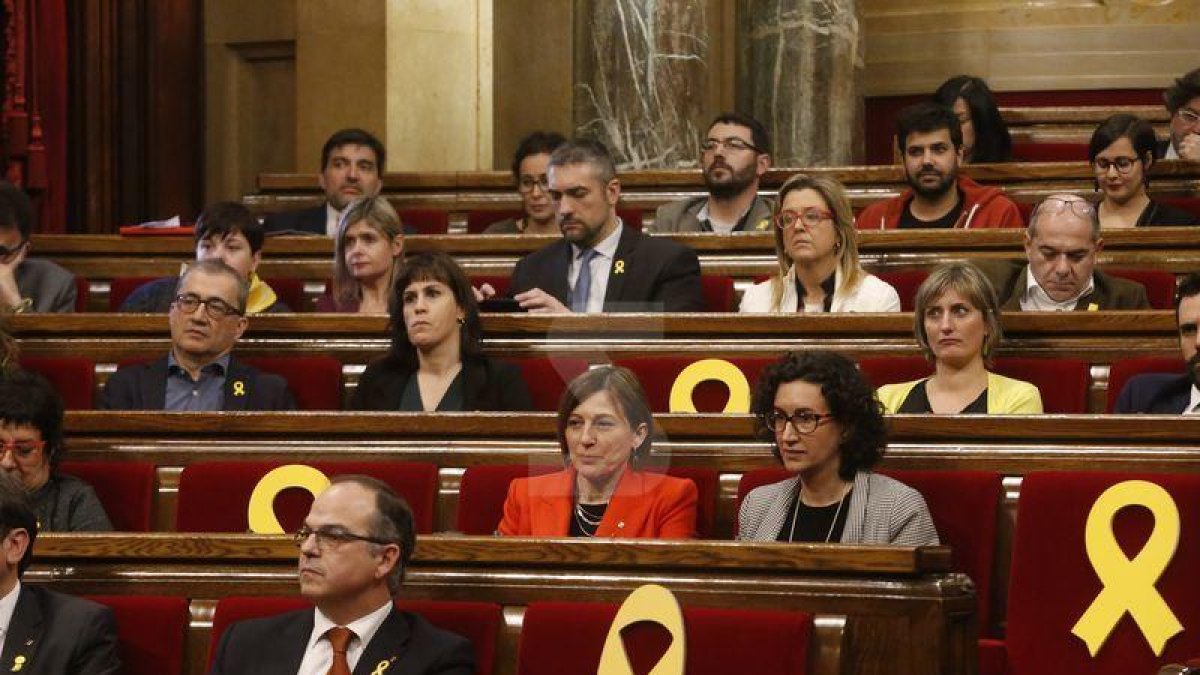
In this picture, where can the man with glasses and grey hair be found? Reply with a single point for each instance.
(1183, 102)
(1062, 243)
(734, 155)
(207, 316)
(354, 546)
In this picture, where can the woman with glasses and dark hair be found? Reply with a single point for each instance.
(436, 361)
(367, 251)
(31, 433)
(984, 133)
(1121, 153)
(529, 171)
(817, 250)
(604, 427)
(957, 323)
(827, 428)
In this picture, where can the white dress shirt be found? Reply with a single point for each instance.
(600, 265)
(1036, 299)
(1170, 153)
(318, 656)
(333, 218)
(8, 604)
(1193, 408)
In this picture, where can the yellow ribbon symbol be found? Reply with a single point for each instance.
(261, 511)
(239, 388)
(619, 267)
(1129, 584)
(18, 663)
(647, 603)
(382, 666)
(710, 369)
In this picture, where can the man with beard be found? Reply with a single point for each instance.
(735, 154)
(930, 141)
(600, 265)
(1164, 393)
(1183, 102)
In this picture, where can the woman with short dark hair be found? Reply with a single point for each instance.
(1121, 153)
(984, 133)
(529, 169)
(827, 427)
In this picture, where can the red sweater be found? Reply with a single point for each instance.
(983, 206)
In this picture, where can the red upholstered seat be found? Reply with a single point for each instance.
(718, 293)
(479, 622)
(1026, 209)
(426, 221)
(151, 630)
(658, 374)
(1160, 285)
(121, 288)
(125, 489)
(214, 496)
(567, 638)
(547, 378)
(1189, 204)
(82, 292)
(73, 377)
(1122, 370)
(484, 488)
(906, 283)
(500, 282)
(1052, 583)
(964, 506)
(315, 381)
(631, 218)
(478, 221)
(1063, 382)
(893, 369)
(289, 291)
(1049, 152)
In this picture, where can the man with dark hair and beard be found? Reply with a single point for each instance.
(1166, 393)
(929, 138)
(734, 155)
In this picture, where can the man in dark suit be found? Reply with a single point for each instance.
(354, 547)
(207, 316)
(1060, 275)
(599, 264)
(1166, 393)
(28, 284)
(47, 633)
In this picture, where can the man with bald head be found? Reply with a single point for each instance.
(1062, 243)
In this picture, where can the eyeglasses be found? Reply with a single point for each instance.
(803, 421)
(810, 217)
(6, 254)
(1079, 207)
(333, 537)
(21, 449)
(731, 143)
(216, 308)
(1123, 164)
(527, 183)
(1188, 116)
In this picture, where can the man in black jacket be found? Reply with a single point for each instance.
(1169, 393)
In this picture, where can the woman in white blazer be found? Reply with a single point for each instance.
(815, 242)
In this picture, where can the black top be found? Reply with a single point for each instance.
(452, 400)
(581, 527)
(487, 384)
(917, 402)
(826, 286)
(1165, 215)
(909, 221)
(814, 524)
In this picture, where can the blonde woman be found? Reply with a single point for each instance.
(368, 249)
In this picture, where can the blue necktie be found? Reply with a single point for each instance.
(583, 283)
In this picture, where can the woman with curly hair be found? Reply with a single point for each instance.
(827, 428)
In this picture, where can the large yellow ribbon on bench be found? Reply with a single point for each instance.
(647, 603)
(1129, 585)
(710, 369)
(261, 510)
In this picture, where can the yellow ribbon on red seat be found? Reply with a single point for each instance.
(710, 369)
(646, 603)
(260, 512)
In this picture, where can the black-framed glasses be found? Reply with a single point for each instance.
(216, 308)
(6, 254)
(810, 217)
(21, 449)
(1079, 207)
(1188, 116)
(1123, 164)
(731, 143)
(803, 421)
(332, 537)
(528, 183)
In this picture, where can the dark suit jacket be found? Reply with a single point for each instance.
(60, 634)
(1155, 393)
(311, 221)
(51, 287)
(488, 384)
(143, 386)
(275, 646)
(1107, 292)
(649, 274)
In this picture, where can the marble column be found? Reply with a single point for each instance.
(799, 71)
(641, 74)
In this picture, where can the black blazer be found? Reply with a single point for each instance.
(310, 221)
(56, 634)
(143, 386)
(275, 646)
(649, 274)
(1155, 394)
(488, 384)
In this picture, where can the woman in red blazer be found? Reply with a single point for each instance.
(604, 432)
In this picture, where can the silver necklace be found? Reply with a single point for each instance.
(585, 521)
(796, 513)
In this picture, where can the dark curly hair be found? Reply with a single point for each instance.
(851, 401)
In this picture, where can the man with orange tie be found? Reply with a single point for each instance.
(354, 545)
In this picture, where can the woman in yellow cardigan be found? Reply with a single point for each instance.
(957, 322)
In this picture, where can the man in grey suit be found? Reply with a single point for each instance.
(28, 284)
(734, 155)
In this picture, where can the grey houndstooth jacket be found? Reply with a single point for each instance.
(882, 511)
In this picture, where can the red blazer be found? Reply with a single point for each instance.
(644, 505)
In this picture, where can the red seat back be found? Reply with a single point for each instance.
(151, 631)
(894, 369)
(547, 378)
(1122, 370)
(1052, 582)
(718, 293)
(499, 282)
(1160, 285)
(125, 489)
(82, 292)
(906, 283)
(630, 218)
(658, 374)
(120, 288)
(426, 221)
(568, 637)
(73, 377)
(1063, 383)
(289, 291)
(315, 381)
(478, 221)
(1049, 152)
(214, 496)
(1189, 204)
